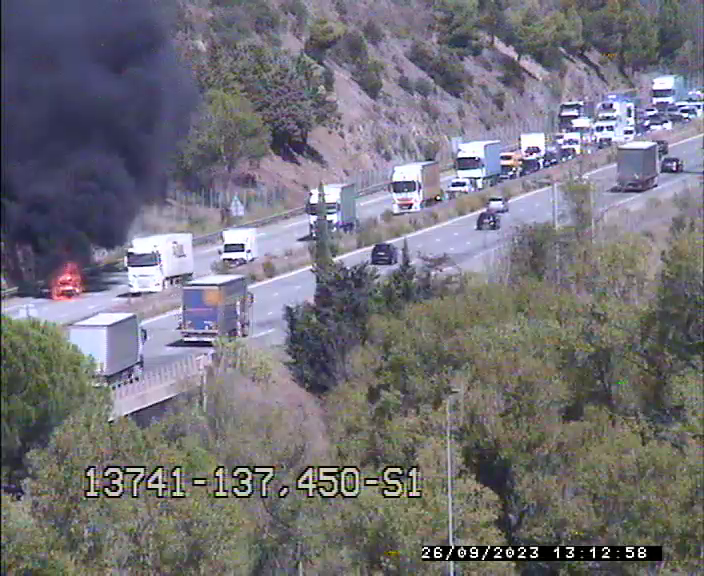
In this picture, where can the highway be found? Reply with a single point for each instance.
(273, 239)
(458, 238)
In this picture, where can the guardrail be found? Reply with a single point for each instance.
(159, 385)
(210, 238)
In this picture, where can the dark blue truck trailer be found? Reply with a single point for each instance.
(216, 306)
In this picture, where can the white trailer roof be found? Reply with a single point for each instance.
(105, 319)
(637, 145)
(216, 279)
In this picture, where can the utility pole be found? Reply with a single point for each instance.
(448, 431)
(556, 225)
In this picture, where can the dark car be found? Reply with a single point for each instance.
(663, 147)
(384, 254)
(672, 164)
(488, 220)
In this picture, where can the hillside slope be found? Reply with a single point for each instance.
(411, 114)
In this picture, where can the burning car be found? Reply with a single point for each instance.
(67, 283)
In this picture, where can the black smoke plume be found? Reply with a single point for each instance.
(94, 101)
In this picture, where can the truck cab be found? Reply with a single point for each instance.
(239, 246)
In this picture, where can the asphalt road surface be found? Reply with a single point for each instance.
(273, 239)
(278, 237)
(457, 238)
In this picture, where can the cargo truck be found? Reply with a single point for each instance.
(239, 246)
(340, 207)
(156, 262)
(510, 165)
(215, 306)
(414, 186)
(637, 166)
(666, 90)
(115, 342)
(479, 162)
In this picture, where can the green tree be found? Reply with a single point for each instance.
(530, 37)
(670, 29)
(228, 132)
(324, 34)
(44, 380)
(492, 17)
(640, 40)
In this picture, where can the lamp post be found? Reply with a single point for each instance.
(448, 430)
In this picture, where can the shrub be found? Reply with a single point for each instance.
(269, 268)
(398, 230)
(430, 109)
(513, 75)
(405, 83)
(424, 87)
(351, 49)
(387, 216)
(298, 10)
(461, 113)
(431, 217)
(368, 76)
(415, 223)
(368, 233)
(341, 8)
(329, 79)
(431, 150)
(324, 34)
(443, 67)
(373, 32)
(499, 100)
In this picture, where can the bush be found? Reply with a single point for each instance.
(398, 230)
(513, 76)
(351, 49)
(424, 87)
(329, 80)
(324, 34)
(373, 32)
(430, 218)
(499, 100)
(269, 268)
(298, 10)
(443, 67)
(415, 223)
(431, 150)
(430, 109)
(405, 83)
(468, 204)
(387, 216)
(368, 76)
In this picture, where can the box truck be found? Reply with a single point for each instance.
(637, 166)
(666, 90)
(215, 306)
(340, 207)
(115, 342)
(510, 165)
(239, 246)
(414, 186)
(156, 262)
(480, 162)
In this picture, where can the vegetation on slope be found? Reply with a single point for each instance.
(578, 421)
(259, 96)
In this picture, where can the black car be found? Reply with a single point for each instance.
(663, 147)
(672, 164)
(384, 254)
(488, 220)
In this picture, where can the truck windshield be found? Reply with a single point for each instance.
(469, 163)
(662, 93)
(403, 187)
(142, 260)
(330, 208)
(234, 248)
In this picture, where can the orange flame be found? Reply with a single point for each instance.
(67, 283)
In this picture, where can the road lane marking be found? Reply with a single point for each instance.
(263, 333)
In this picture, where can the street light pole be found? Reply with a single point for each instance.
(448, 430)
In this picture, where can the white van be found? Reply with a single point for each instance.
(239, 246)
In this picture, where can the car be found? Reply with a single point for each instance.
(459, 186)
(384, 254)
(488, 220)
(663, 147)
(497, 204)
(672, 164)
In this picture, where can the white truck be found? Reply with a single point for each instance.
(568, 112)
(340, 207)
(414, 186)
(637, 166)
(605, 133)
(573, 143)
(480, 162)
(239, 246)
(115, 341)
(666, 90)
(533, 146)
(156, 262)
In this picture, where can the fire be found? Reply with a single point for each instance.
(67, 283)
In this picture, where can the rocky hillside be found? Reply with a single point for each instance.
(402, 78)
